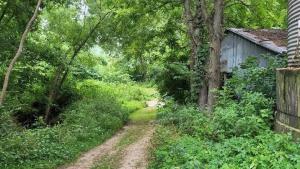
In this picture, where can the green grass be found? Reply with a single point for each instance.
(134, 105)
(143, 115)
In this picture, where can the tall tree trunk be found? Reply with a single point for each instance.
(214, 73)
(195, 25)
(215, 50)
(19, 52)
(193, 32)
(194, 36)
(203, 95)
(214, 24)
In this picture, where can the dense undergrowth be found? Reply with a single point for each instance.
(189, 139)
(102, 109)
(238, 134)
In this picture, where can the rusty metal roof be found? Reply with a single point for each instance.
(271, 39)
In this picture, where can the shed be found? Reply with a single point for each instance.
(239, 44)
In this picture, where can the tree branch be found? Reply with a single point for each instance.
(19, 52)
(80, 46)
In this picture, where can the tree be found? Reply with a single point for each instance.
(87, 27)
(62, 72)
(213, 21)
(193, 24)
(197, 35)
(19, 52)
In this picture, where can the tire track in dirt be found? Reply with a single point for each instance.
(135, 155)
(87, 160)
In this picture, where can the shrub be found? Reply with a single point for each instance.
(264, 151)
(187, 119)
(173, 80)
(251, 77)
(236, 136)
(7, 125)
(246, 117)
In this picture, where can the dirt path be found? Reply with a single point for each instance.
(136, 155)
(88, 159)
(128, 149)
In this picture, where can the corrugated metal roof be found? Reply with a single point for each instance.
(272, 39)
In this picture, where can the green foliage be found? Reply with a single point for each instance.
(256, 14)
(7, 124)
(199, 73)
(173, 80)
(248, 117)
(99, 113)
(186, 118)
(237, 136)
(256, 79)
(264, 151)
(113, 73)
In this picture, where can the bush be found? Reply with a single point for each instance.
(187, 119)
(246, 117)
(116, 76)
(256, 79)
(7, 125)
(264, 151)
(173, 80)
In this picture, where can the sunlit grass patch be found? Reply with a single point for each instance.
(134, 105)
(143, 115)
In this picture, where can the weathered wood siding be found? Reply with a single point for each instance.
(293, 32)
(236, 49)
(288, 100)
